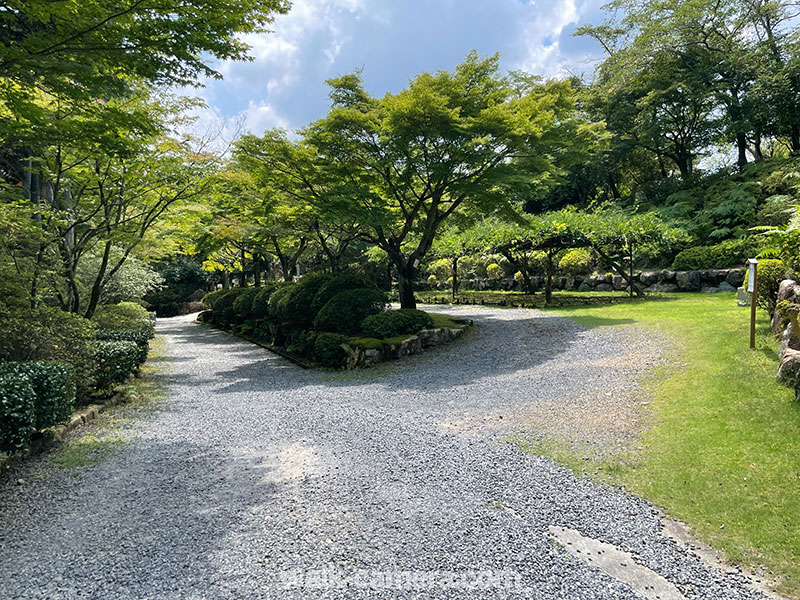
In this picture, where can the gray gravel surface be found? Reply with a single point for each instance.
(258, 479)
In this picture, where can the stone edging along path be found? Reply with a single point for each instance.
(367, 357)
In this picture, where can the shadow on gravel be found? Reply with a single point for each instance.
(153, 520)
(503, 342)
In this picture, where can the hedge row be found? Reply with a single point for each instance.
(50, 359)
(313, 318)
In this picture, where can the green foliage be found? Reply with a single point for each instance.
(392, 323)
(277, 301)
(137, 336)
(50, 334)
(17, 409)
(243, 304)
(53, 385)
(577, 262)
(770, 274)
(725, 254)
(329, 349)
(115, 362)
(124, 316)
(337, 284)
(298, 304)
(345, 312)
(494, 271)
(210, 299)
(224, 314)
(433, 280)
(260, 307)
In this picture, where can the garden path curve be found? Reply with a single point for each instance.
(258, 479)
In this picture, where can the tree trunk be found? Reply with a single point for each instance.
(256, 271)
(619, 270)
(455, 277)
(757, 153)
(97, 286)
(548, 290)
(741, 144)
(795, 138)
(405, 287)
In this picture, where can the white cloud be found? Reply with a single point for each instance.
(262, 116)
(540, 37)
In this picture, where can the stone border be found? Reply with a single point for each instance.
(413, 344)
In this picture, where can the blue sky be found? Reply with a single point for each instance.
(392, 41)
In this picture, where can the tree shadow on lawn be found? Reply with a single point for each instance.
(155, 518)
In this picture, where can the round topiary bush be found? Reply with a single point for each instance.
(125, 315)
(494, 271)
(298, 304)
(576, 262)
(260, 307)
(392, 323)
(211, 297)
(224, 313)
(338, 284)
(330, 349)
(345, 312)
(277, 301)
(243, 305)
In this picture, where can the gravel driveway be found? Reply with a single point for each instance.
(258, 479)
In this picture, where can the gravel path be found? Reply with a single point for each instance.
(258, 479)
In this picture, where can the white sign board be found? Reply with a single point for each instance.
(751, 277)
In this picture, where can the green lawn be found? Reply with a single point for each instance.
(723, 453)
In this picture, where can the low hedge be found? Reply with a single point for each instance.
(392, 323)
(140, 338)
(330, 349)
(725, 254)
(336, 285)
(124, 316)
(33, 396)
(345, 312)
(116, 361)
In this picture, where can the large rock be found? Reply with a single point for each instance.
(604, 287)
(789, 340)
(688, 280)
(585, 287)
(619, 283)
(735, 277)
(789, 371)
(668, 276)
(788, 291)
(726, 287)
(649, 278)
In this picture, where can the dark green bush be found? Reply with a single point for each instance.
(243, 305)
(48, 333)
(17, 410)
(724, 254)
(329, 349)
(338, 284)
(211, 297)
(123, 316)
(345, 312)
(297, 304)
(224, 313)
(140, 338)
(392, 323)
(277, 301)
(770, 274)
(116, 361)
(53, 385)
(260, 308)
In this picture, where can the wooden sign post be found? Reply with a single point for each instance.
(752, 287)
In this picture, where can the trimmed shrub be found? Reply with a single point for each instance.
(576, 262)
(260, 308)
(17, 409)
(47, 333)
(345, 312)
(329, 349)
(224, 313)
(277, 301)
(338, 284)
(116, 361)
(725, 254)
(392, 323)
(297, 306)
(211, 297)
(494, 271)
(53, 386)
(140, 338)
(243, 305)
(123, 316)
(432, 281)
(769, 276)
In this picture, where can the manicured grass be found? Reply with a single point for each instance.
(441, 321)
(723, 453)
(510, 299)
